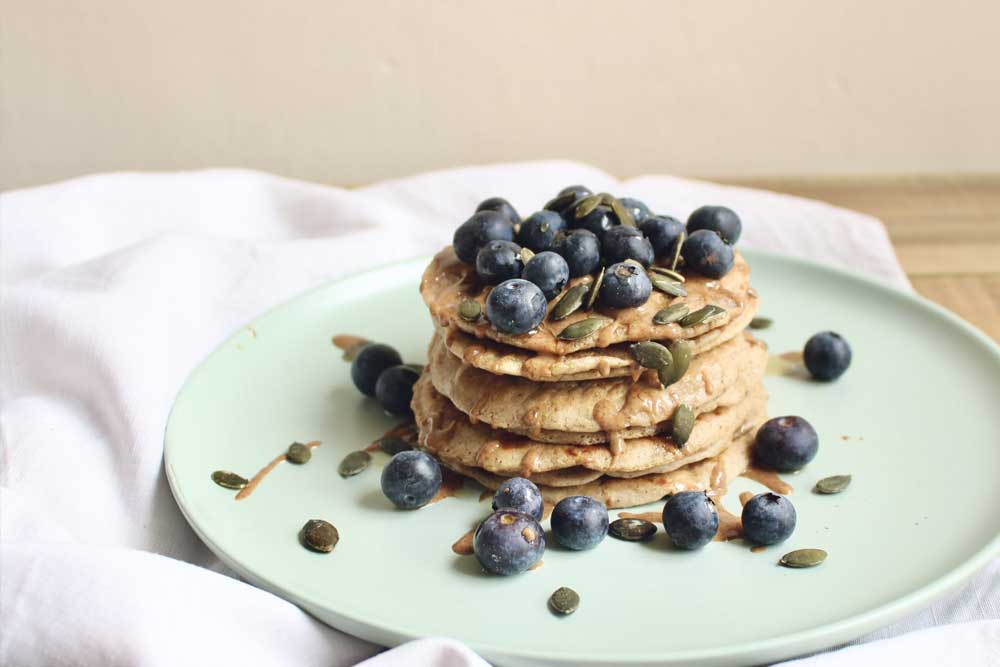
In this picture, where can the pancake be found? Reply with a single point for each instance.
(447, 281)
(596, 411)
(593, 364)
(446, 433)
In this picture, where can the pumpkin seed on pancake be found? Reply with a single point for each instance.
(595, 289)
(669, 273)
(650, 354)
(671, 313)
(570, 302)
(667, 285)
(584, 328)
(469, 310)
(678, 244)
(586, 206)
(701, 315)
(622, 213)
(680, 355)
(682, 424)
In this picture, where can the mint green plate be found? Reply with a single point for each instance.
(915, 420)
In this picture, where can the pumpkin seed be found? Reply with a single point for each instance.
(831, 485)
(562, 202)
(392, 445)
(564, 601)
(632, 530)
(298, 453)
(680, 352)
(527, 254)
(650, 354)
(803, 558)
(319, 536)
(586, 206)
(674, 275)
(469, 310)
(570, 302)
(681, 425)
(595, 289)
(667, 285)
(583, 328)
(623, 214)
(681, 238)
(761, 322)
(229, 480)
(671, 313)
(701, 315)
(354, 463)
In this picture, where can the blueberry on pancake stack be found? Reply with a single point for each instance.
(594, 347)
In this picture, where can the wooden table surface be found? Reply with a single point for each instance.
(946, 231)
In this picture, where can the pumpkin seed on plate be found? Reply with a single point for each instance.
(564, 601)
(570, 302)
(678, 244)
(319, 536)
(632, 530)
(229, 480)
(761, 323)
(392, 445)
(595, 289)
(354, 463)
(583, 328)
(469, 310)
(681, 425)
(671, 313)
(831, 485)
(674, 275)
(801, 558)
(680, 353)
(667, 285)
(703, 314)
(298, 453)
(651, 354)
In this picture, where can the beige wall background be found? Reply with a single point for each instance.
(350, 92)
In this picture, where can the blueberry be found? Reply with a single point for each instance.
(662, 231)
(539, 231)
(394, 389)
(579, 522)
(567, 199)
(521, 495)
(625, 286)
(369, 363)
(498, 261)
(827, 355)
(785, 443)
(621, 243)
(768, 518)
(549, 271)
(598, 221)
(477, 231)
(638, 209)
(410, 479)
(516, 306)
(508, 542)
(581, 250)
(501, 206)
(578, 190)
(690, 519)
(706, 253)
(719, 219)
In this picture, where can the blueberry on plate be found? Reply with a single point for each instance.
(768, 519)
(579, 522)
(539, 231)
(719, 219)
(498, 261)
(410, 479)
(621, 243)
(638, 209)
(707, 254)
(516, 306)
(598, 221)
(662, 231)
(368, 364)
(501, 206)
(508, 542)
(785, 443)
(521, 495)
(690, 519)
(394, 389)
(827, 355)
(549, 271)
(625, 286)
(581, 250)
(477, 231)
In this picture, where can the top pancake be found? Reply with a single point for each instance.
(447, 281)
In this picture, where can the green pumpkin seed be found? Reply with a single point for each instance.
(586, 206)
(469, 310)
(564, 601)
(681, 425)
(803, 558)
(680, 352)
(298, 453)
(354, 463)
(761, 322)
(831, 485)
(673, 275)
(701, 315)
(393, 446)
(583, 328)
(526, 255)
(671, 313)
(595, 290)
(667, 285)
(623, 214)
(229, 480)
(562, 202)
(678, 244)
(319, 536)
(650, 354)
(570, 302)
(632, 530)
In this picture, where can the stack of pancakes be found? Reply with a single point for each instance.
(582, 417)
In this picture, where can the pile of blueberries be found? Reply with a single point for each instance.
(576, 234)
(377, 370)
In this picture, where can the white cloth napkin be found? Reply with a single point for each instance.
(116, 286)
